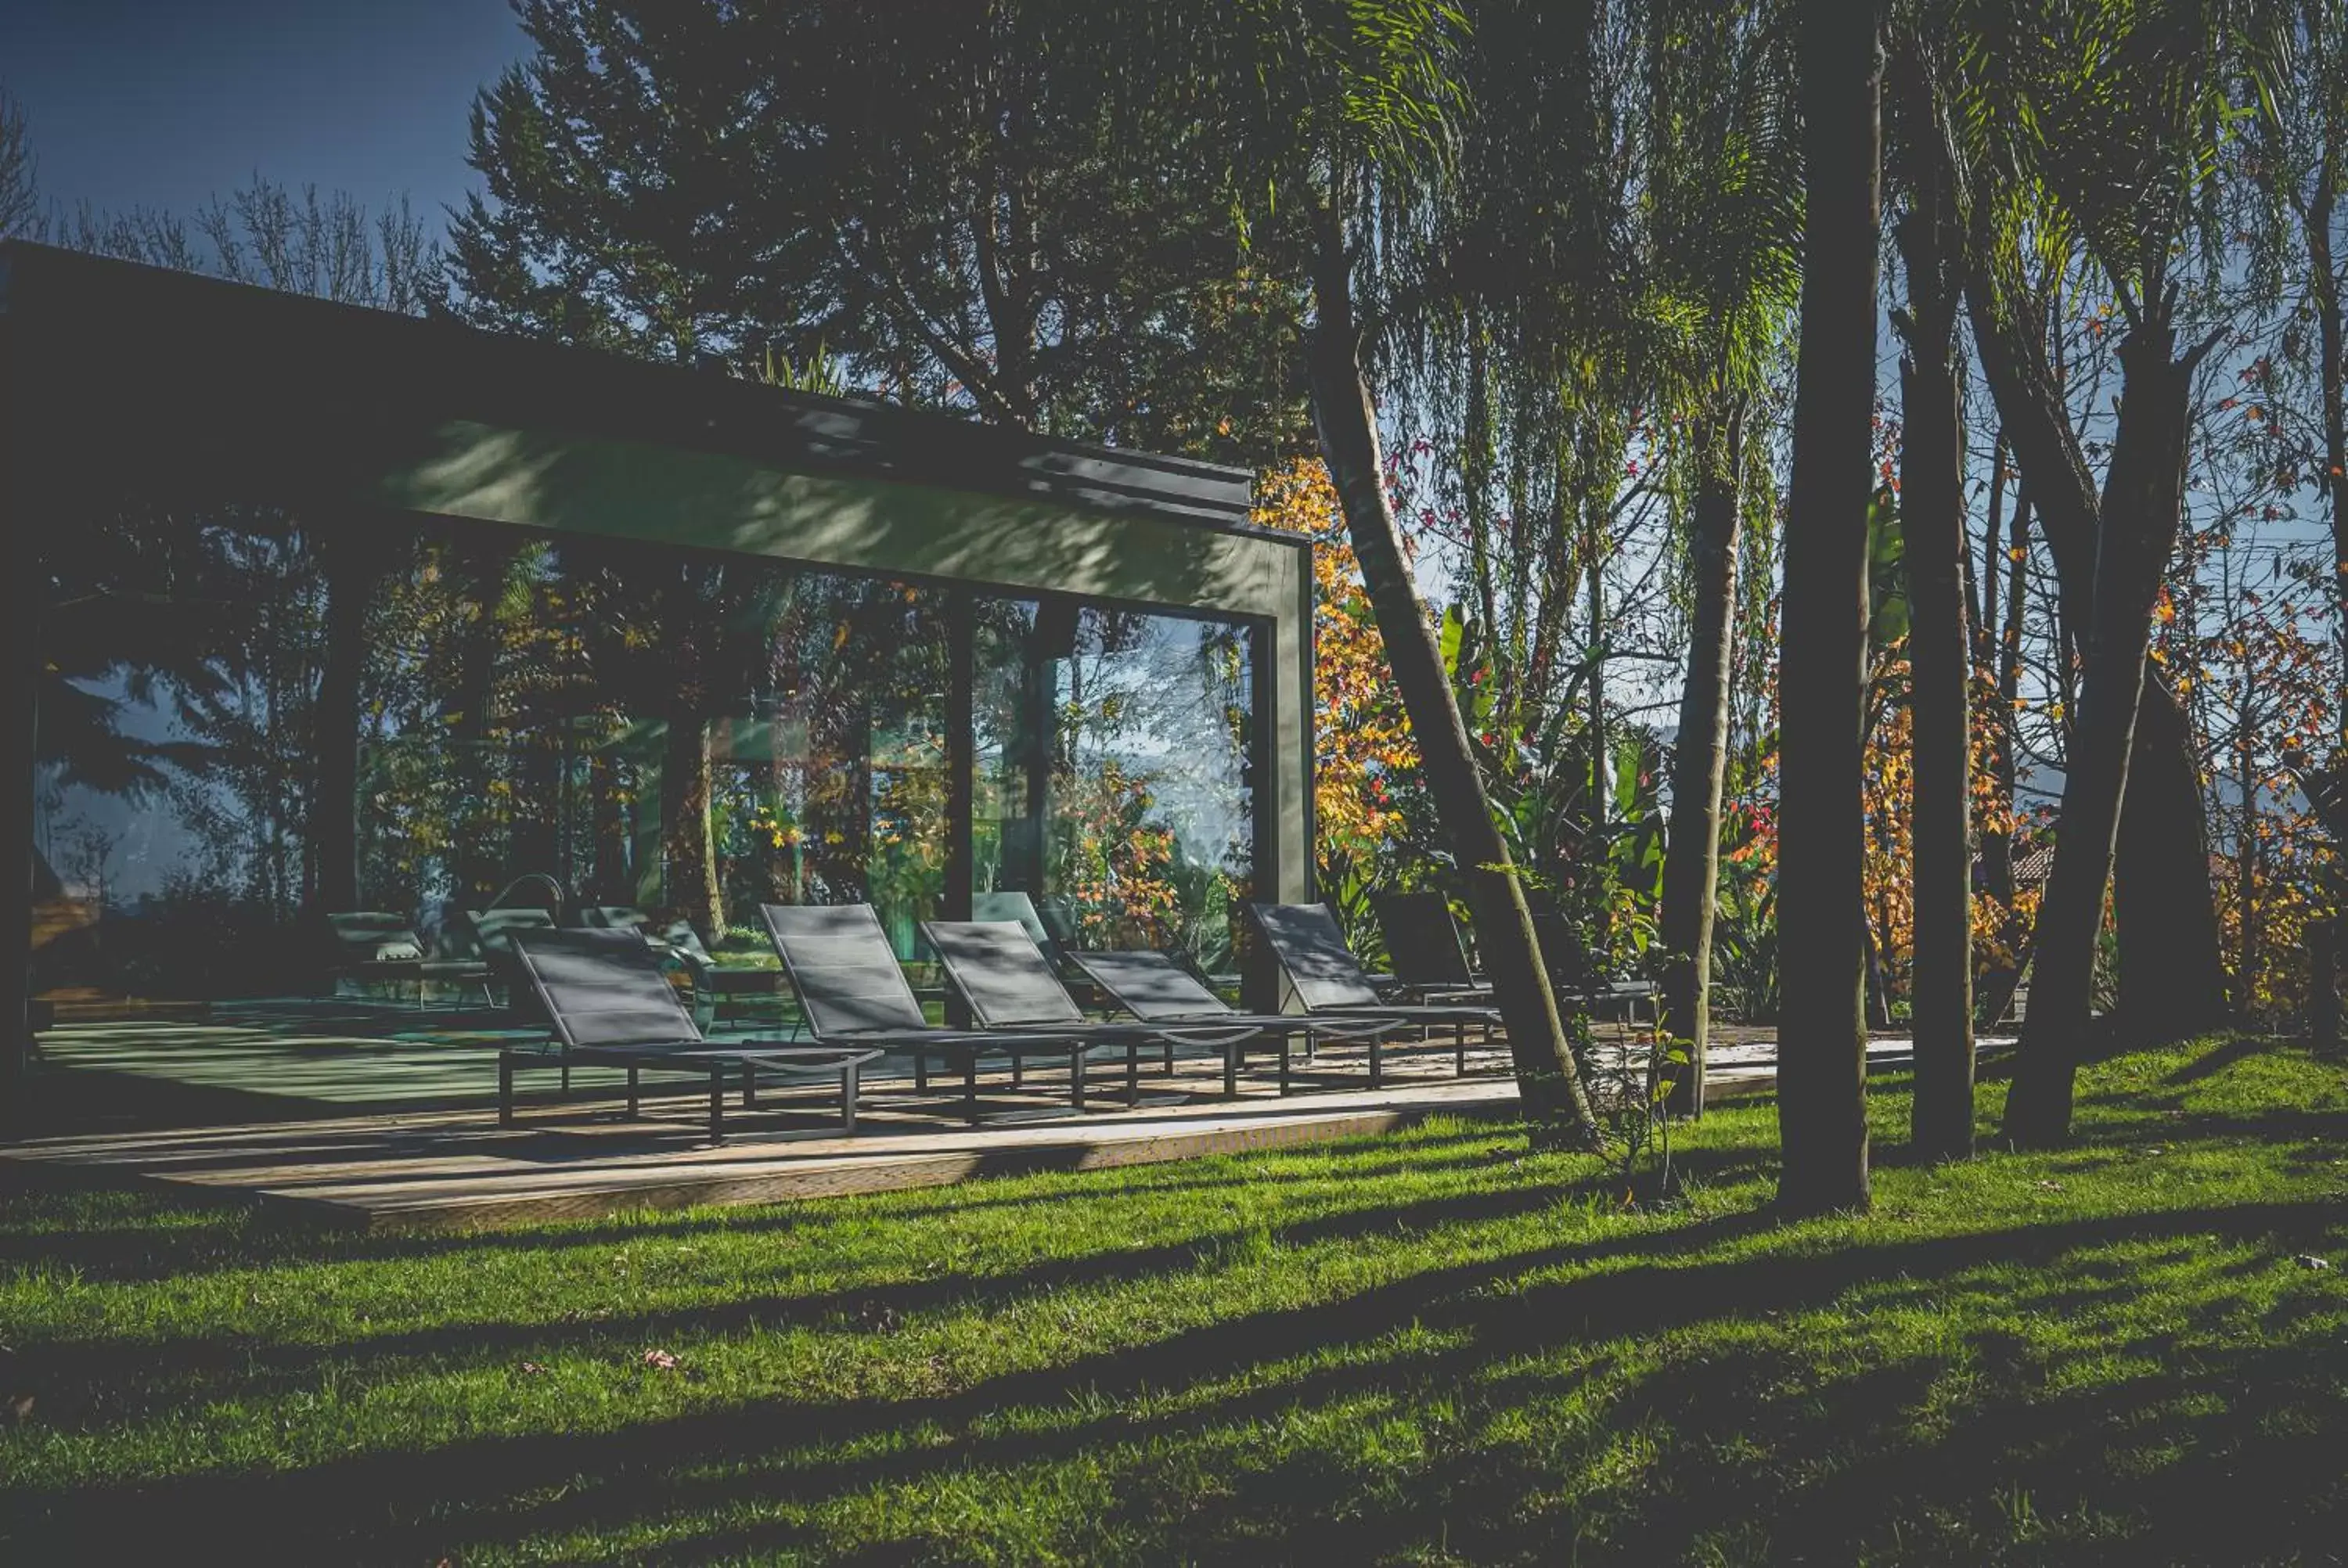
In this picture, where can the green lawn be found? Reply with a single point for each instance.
(1426, 1348)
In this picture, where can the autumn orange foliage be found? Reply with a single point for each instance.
(1361, 740)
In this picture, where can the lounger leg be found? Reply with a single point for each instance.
(1231, 1070)
(1377, 1063)
(848, 1098)
(749, 1086)
(1284, 1060)
(1169, 1058)
(635, 1092)
(1132, 1074)
(1077, 1076)
(1460, 1047)
(921, 1071)
(970, 1086)
(505, 1089)
(1018, 1069)
(718, 1104)
(566, 1081)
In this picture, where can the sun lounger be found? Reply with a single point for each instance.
(1422, 943)
(713, 983)
(1007, 982)
(1155, 989)
(1330, 982)
(484, 938)
(378, 948)
(609, 1005)
(852, 991)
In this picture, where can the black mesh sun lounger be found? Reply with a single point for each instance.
(852, 993)
(1006, 980)
(1422, 945)
(1330, 982)
(609, 1005)
(1155, 989)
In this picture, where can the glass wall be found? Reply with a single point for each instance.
(258, 718)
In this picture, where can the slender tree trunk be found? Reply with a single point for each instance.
(1700, 758)
(2245, 857)
(1878, 993)
(1822, 819)
(352, 566)
(2323, 957)
(1555, 1103)
(537, 832)
(2140, 510)
(1602, 798)
(692, 630)
(1996, 844)
(1932, 504)
(691, 849)
(476, 862)
(1997, 849)
(612, 884)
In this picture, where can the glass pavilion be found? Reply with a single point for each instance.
(319, 610)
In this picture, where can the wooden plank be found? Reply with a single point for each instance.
(456, 1170)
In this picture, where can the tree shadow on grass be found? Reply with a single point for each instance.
(1799, 1461)
(2209, 1064)
(1312, 1503)
(98, 1378)
(233, 1234)
(478, 1492)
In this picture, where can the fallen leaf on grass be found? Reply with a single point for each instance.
(532, 1369)
(660, 1360)
(2050, 1186)
(2309, 1260)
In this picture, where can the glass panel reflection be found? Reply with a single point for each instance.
(259, 719)
(1150, 825)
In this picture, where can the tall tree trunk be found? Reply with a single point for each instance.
(1700, 758)
(353, 564)
(2246, 853)
(477, 865)
(2163, 872)
(1932, 504)
(1996, 844)
(612, 883)
(537, 831)
(1555, 1103)
(1998, 983)
(1601, 796)
(689, 847)
(1821, 818)
(2172, 963)
(2323, 957)
(2140, 509)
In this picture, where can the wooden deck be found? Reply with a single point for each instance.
(456, 1169)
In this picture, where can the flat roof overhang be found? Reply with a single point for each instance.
(136, 366)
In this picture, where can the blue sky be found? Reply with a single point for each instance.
(161, 103)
